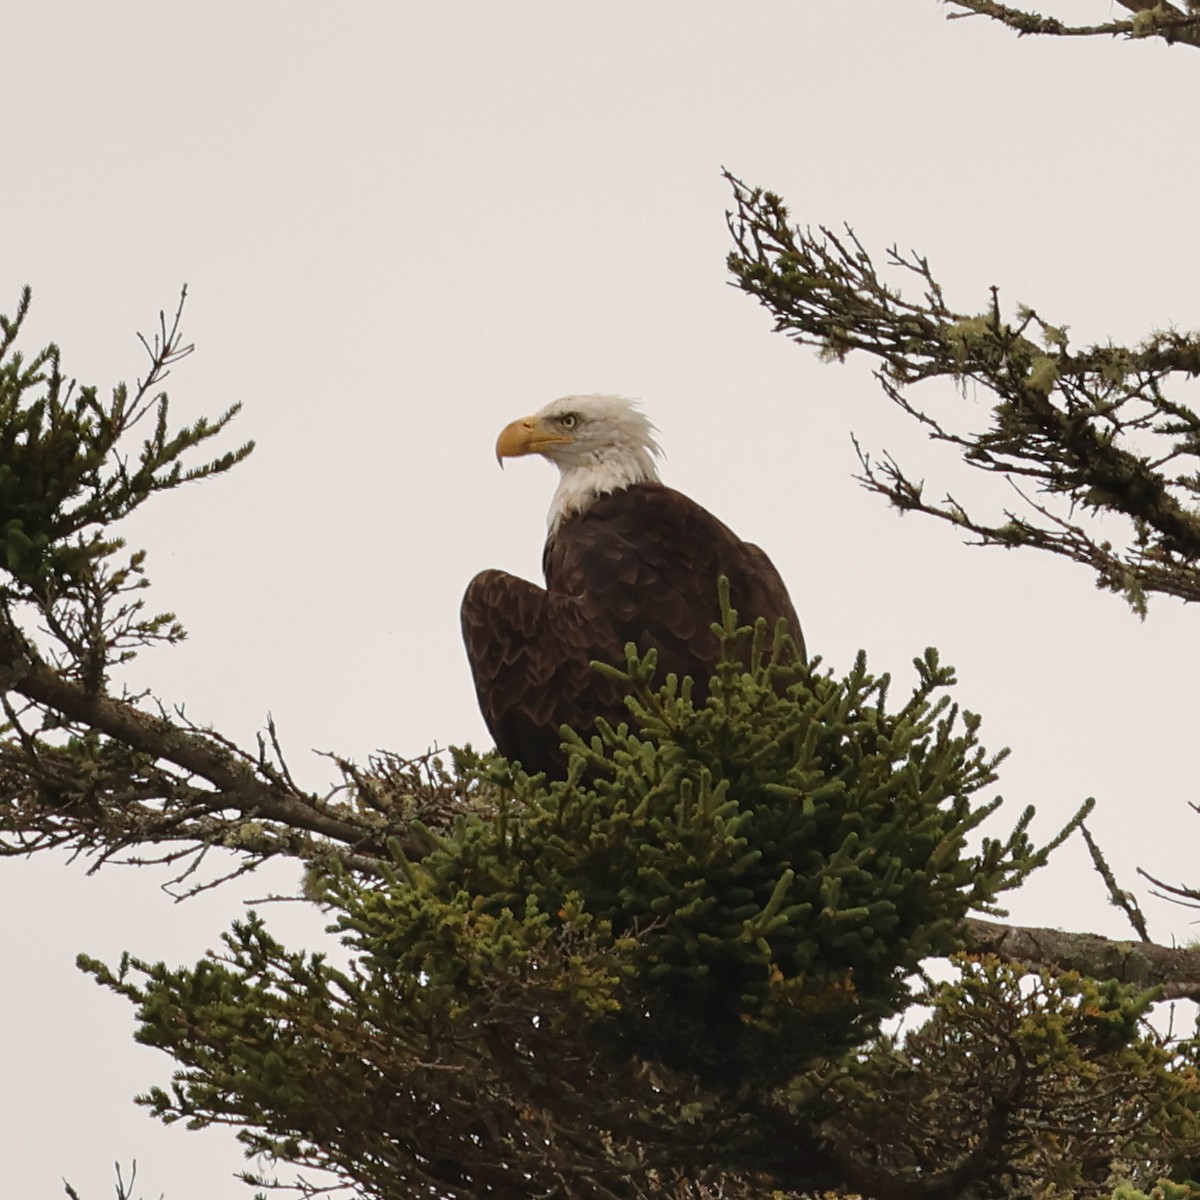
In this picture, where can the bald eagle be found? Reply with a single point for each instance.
(627, 559)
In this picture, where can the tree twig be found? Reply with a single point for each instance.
(1153, 18)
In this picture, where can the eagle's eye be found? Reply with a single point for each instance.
(568, 420)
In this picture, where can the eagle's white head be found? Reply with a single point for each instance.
(600, 444)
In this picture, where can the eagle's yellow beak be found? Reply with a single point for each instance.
(526, 436)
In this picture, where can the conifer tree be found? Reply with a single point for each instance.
(749, 947)
(674, 973)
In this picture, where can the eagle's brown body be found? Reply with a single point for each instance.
(639, 564)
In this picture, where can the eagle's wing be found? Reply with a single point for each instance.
(530, 654)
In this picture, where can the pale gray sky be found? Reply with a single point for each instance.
(403, 225)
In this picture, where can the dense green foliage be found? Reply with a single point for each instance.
(1025, 1084)
(67, 474)
(652, 970)
(784, 860)
(663, 977)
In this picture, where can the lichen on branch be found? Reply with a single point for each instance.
(1078, 433)
(1151, 19)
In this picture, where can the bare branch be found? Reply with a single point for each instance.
(129, 780)
(1144, 964)
(1153, 18)
(1124, 900)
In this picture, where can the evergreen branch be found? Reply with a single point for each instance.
(1143, 964)
(168, 784)
(133, 779)
(1117, 895)
(236, 782)
(67, 477)
(1073, 424)
(1024, 1079)
(1153, 18)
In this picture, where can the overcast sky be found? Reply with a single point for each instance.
(402, 226)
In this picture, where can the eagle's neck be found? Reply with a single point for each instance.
(581, 484)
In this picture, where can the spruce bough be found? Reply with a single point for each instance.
(665, 951)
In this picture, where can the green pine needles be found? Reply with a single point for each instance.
(783, 855)
(1025, 1084)
(69, 470)
(647, 967)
